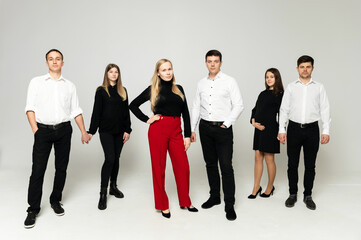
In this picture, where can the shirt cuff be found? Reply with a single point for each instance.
(76, 112)
(29, 108)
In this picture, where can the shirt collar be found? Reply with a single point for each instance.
(47, 77)
(310, 82)
(219, 75)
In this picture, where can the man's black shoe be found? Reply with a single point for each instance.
(231, 214)
(291, 200)
(310, 204)
(30, 219)
(59, 211)
(211, 202)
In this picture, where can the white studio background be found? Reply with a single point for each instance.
(252, 36)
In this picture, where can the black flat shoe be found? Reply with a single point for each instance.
(166, 215)
(254, 196)
(193, 209)
(211, 202)
(267, 195)
(291, 200)
(310, 204)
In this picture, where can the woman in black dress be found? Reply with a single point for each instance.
(111, 116)
(264, 119)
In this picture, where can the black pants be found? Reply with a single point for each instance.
(44, 140)
(112, 146)
(309, 139)
(217, 146)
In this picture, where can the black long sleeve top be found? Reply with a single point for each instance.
(168, 104)
(267, 107)
(110, 114)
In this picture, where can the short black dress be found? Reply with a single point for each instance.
(266, 113)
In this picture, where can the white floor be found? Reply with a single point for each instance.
(337, 215)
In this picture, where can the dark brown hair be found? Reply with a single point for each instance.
(278, 86)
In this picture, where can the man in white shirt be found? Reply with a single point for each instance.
(218, 103)
(304, 103)
(51, 103)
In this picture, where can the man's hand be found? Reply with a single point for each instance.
(193, 137)
(223, 126)
(282, 137)
(325, 138)
(187, 143)
(126, 137)
(85, 138)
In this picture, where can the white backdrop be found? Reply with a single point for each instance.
(252, 37)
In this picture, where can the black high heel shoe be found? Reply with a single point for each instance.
(193, 209)
(166, 215)
(267, 195)
(254, 196)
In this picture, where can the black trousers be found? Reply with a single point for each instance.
(44, 140)
(217, 147)
(112, 146)
(309, 139)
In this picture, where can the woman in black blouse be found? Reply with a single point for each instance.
(265, 143)
(168, 103)
(111, 116)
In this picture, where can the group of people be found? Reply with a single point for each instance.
(52, 102)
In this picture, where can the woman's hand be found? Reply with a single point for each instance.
(126, 137)
(153, 119)
(187, 143)
(258, 126)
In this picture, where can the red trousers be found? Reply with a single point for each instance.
(166, 134)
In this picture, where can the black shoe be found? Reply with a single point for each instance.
(193, 209)
(291, 200)
(267, 195)
(231, 214)
(211, 202)
(113, 190)
(310, 204)
(30, 219)
(59, 211)
(254, 196)
(103, 199)
(166, 215)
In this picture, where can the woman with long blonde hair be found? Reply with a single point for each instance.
(111, 116)
(168, 103)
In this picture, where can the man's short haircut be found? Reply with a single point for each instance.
(214, 53)
(53, 50)
(304, 59)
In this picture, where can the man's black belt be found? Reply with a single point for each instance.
(54, 127)
(212, 123)
(304, 125)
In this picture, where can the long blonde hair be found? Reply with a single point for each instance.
(106, 82)
(155, 87)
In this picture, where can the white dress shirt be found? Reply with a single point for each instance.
(305, 103)
(53, 101)
(218, 100)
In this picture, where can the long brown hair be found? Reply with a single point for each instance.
(278, 86)
(155, 84)
(106, 82)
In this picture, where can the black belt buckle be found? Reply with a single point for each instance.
(303, 125)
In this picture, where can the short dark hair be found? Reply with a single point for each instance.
(214, 53)
(53, 50)
(304, 59)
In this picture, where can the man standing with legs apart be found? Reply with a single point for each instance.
(218, 103)
(51, 103)
(304, 103)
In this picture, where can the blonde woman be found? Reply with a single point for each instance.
(111, 116)
(168, 103)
